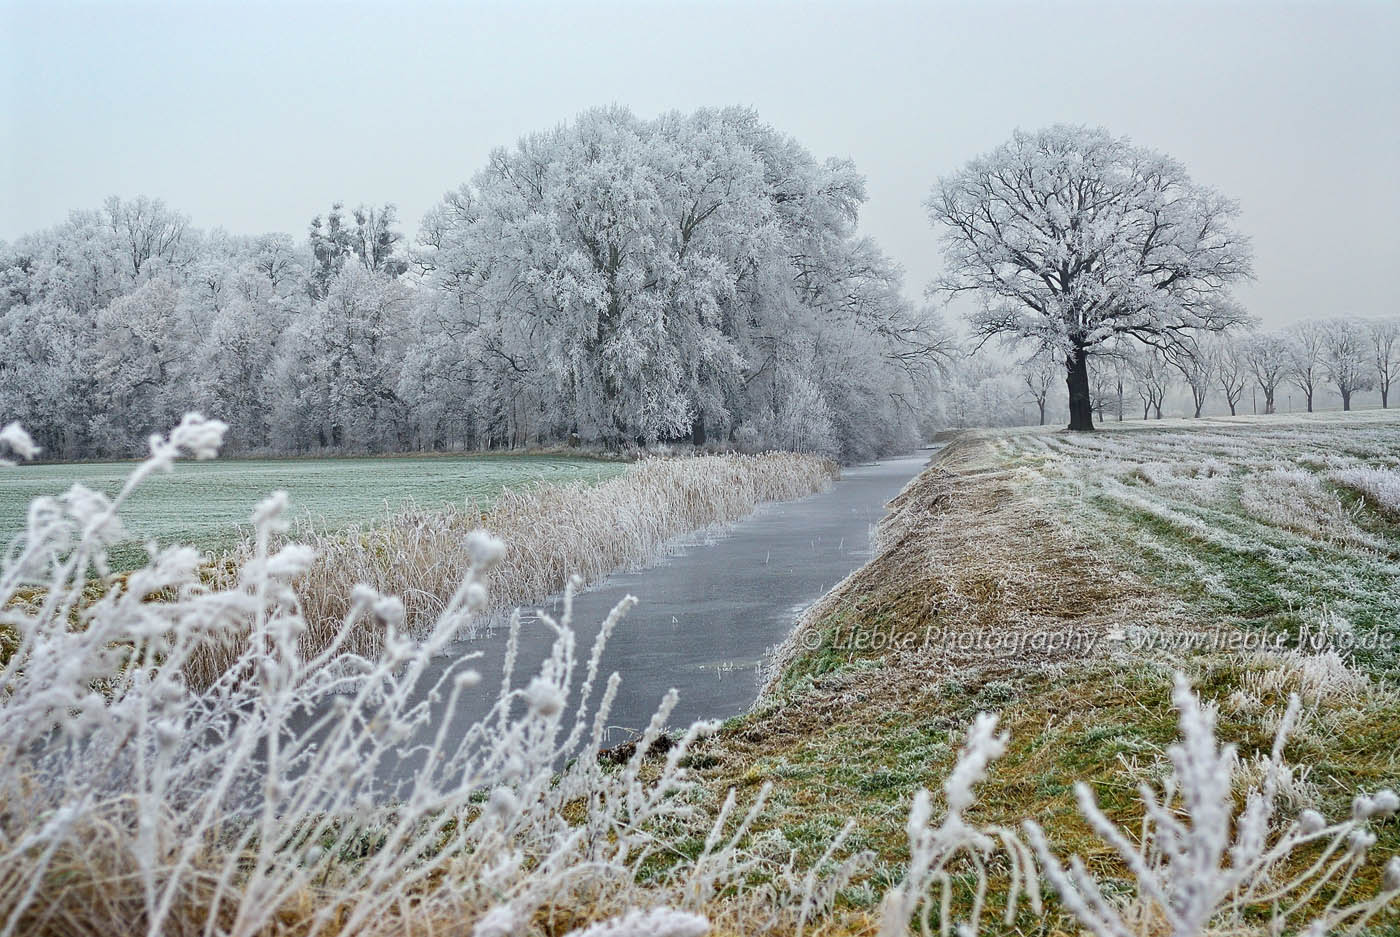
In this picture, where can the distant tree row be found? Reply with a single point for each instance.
(1347, 356)
(614, 281)
(1327, 362)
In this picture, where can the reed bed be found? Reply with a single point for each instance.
(552, 532)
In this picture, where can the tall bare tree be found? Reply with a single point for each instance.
(1231, 370)
(1345, 358)
(1073, 237)
(1267, 355)
(1305, 351)
(1040, 373)
(1197, 366)
(1152, 380)
(1385, 335)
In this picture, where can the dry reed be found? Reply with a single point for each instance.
(551, 532)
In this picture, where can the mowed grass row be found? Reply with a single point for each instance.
(206, 504)
(1278, 526)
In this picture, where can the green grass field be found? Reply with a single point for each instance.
(204, 503)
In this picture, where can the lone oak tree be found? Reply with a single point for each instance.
(1071, 237)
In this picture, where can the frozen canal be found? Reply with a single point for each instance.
(708, 615)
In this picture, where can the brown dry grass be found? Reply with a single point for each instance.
(551, 532)
(966, 552)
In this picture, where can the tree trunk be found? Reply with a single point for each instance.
(1268, 401)
(1346, 400)
(697, 431)
(1081, 412)
(1042, 411)
(1385, 396)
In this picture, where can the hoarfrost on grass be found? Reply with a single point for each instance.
(136, 801)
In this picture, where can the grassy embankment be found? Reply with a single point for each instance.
(1213, 531)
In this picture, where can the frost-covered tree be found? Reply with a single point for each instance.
(144, 230)
(1040, 372)
(1196, 363)
(369, 237)
(1268, 357)
(1152, 379)
(143, 344)
(1346, 358)
(348, 351)
(1231, 369)
(1111, 374)
(1384, 335)
(1071, 238)
(1306, 350)
(622, 280)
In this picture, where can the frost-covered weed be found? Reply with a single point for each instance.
(1316, 678)
(134, 801)
(1199, 865)
(1294, 788)
(934, 848)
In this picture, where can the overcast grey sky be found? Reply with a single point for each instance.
(254, 117)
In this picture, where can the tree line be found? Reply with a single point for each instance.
(610, 282)
(1326, 362)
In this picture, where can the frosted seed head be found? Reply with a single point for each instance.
(1390, 879)
(467, 679)
(485, 549)
(1311, 822)
(544, 697)
(502, 804)
(167, 736)
(93, 513)
(20, 442)
(389, 609)
(1359, 841)
(500, 921)
(476, 596)
(1386, 801)
(1362, 807)
(290, 561)
(270, 512)
(198, 436)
